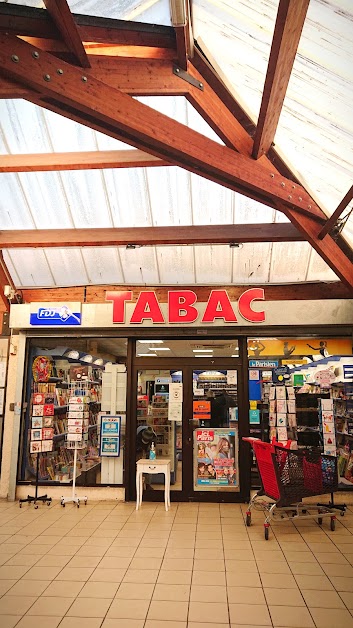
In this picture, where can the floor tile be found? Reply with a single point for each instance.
(284, 597)
(245, 595)
(84, 561)
(75, 574)
(80, 622)
(176, 592)
(154, 623)
(124, 609)
(29, 587)
(22, 560)
(278, 581)
(331, 618)
(51, 606)
(129, 591)
(5, 585)
(89, 607)
(347, 597)
(317, 583)
(174, 577)
(249, 615)
(98, 589)
(107, 575)
(63, 588)
(178, 564)
(342, 584)
(205, 611)
(306, 569)
(10, 605)
(318, 599)
(13, 573)
(123, 623)
(276, 567)
(30, 621)
(209, 593)
(201, 564)
(291, 616)
(52, 561)
(242, 579)
(146, 576)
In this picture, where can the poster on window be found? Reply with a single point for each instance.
(215, 455)
(110, 435)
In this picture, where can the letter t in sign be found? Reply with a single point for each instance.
(119, 299)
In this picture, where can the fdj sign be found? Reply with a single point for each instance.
(58, 316)
(182, 307)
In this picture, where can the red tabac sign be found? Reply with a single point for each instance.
(182, 307)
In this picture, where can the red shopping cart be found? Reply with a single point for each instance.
(287, 477)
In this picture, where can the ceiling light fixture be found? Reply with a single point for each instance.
(150, 342)
(202, 350)
(147, 355)
(159, 348)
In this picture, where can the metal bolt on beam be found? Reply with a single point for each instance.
(300, 198)
(84, 79)
(201, 84)
(177, 70)
(289, 197)
(60, 71)
(47, 77)
(15, 58)
(272, 175)
(283, 184)
(35, 54)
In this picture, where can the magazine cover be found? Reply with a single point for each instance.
(215, 457)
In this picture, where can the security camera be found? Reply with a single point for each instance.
(9, 292)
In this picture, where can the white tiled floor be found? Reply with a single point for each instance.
(197, 566)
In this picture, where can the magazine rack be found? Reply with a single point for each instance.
(36, 498)
(75, 445)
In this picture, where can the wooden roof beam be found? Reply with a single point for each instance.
(149, 236)
(329, 225)
(89, 160)
(288, 28)
(181, 20)
(62, 17)
(5, 279)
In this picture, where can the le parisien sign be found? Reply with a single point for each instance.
(183, 307)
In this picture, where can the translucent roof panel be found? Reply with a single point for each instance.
(315, 131)
(255, 263)
(149, 11)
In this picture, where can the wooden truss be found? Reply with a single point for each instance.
(88, 69)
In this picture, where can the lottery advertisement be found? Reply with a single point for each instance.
(216, 458)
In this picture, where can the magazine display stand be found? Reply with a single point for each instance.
(77, 430)
(75, 445)
(36, 498)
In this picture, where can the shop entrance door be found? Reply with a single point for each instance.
(196, 418)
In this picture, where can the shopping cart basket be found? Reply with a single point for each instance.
(287, 477)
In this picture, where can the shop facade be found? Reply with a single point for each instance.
(176, 368)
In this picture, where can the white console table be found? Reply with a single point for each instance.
(152, 467)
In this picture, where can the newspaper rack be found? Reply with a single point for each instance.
(287, 477)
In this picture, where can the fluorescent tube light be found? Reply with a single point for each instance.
(159, 348)
(150, 342)
(147, 355)
(202, 350)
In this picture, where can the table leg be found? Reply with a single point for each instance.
(137, 489)
(168, 489)
(141, 488)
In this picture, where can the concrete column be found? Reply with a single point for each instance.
(12, 418)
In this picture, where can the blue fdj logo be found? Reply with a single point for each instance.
(57, 316)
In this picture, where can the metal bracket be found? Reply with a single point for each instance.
(187, 77)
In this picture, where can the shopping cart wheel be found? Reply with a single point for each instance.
(266, 532)
(248, 519)
(333, 524)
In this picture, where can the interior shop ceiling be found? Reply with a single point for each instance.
(313, 138)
